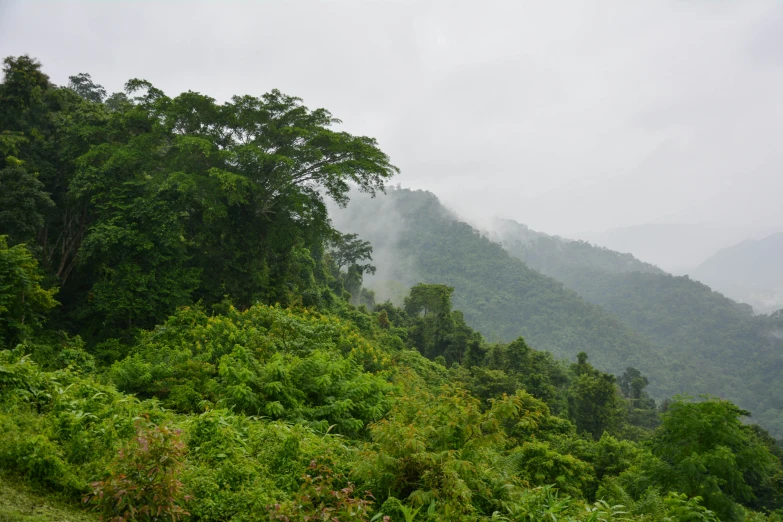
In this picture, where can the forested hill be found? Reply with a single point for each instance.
(750, 272)
(184, 335)
(562, 258)
(738, 354)
(416, 239)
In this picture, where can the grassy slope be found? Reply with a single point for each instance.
(20, 503)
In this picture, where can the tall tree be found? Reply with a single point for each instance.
(349, 251)
(159, 201)
(593, 401)
(708, 452)
(83, 85)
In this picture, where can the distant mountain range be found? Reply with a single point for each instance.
(568, 296)
(416, 239)
(676, 248)
(750, 272)
(737, 354)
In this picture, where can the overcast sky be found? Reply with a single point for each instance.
(567, 116)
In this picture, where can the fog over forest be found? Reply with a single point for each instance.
(574, 119)
(391, 261)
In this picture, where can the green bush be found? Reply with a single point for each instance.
(143, 482)
(295, 365)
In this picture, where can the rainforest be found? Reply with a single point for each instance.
(193, 326)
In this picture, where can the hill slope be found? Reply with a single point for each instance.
(750, 272)
(739, 356)
(563, 258)
(416, 239)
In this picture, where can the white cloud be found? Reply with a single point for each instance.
(563, 115)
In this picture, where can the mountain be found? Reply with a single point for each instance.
(750, 272)
(739, 355)
(569, 296)
(416, 239)
(675, 247)
(558, 257)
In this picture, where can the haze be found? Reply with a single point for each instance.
(573, 118)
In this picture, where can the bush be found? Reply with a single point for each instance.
(143, 481)
(323, 497)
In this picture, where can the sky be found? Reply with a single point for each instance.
(572, 117)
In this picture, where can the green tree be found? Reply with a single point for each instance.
(436, 329)
(83, 85)
(160, 201)
(23, 83)
(348, 251)
(708, 452)
(24, 304)
(23, 204)
(539, 464)
(593, 401)
(642, 410)
(140, 261)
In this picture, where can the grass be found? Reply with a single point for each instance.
(21, 503)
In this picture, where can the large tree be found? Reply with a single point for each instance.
(159, 200)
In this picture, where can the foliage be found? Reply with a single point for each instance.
(300, 366)
(436, 330)
(319, 498)
(708, 452)
(216, 344)
(436, 446)
(24, 303)
(681, 508)
(143, 482)
(715, 344)
(23, 204)
(539, 465)
(593, 403)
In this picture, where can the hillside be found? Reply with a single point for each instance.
(562, 258)
(416, 239)
(185, 336)
(750, 272)
(738, 355)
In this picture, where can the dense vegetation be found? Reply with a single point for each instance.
(570, 295)
(184, 336)
(421, 241)
(734, 353)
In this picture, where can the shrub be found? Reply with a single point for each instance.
(143, 480)
(321, 498)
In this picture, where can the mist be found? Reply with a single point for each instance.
(571, 120)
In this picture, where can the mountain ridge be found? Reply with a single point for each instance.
(750, 272)
(499, 295)
(737, 353)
